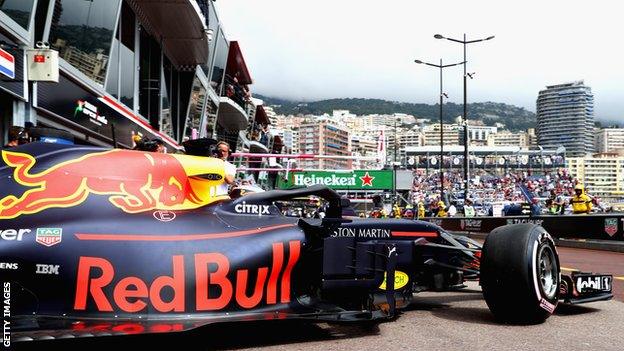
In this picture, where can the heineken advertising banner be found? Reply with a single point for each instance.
(348, 180)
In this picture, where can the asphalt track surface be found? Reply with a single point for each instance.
(437, 321)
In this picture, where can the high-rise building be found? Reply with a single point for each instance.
(532, 138)
(408, 138)
(361, 124)
(291, 140)
(325, 137)
(507, 138)
(565, 117)
(287, 122)
(610, 140)
(392, 143)
(363, 145)
(431, 134)
(271, 115)
(602, 175)
(395, 118)
(478, 135)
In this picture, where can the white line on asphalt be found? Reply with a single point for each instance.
(569, 269)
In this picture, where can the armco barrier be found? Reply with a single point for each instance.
(591, 227)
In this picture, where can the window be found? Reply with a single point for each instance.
(112, 81)
(210, 118)
(127, 69)
(150, 76)
(82, 32)
(166, 123)
(219, 62)
(19, 11)
(213, 24)
(121, 70)
(196, 108)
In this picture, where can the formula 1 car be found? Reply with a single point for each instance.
(102, 242)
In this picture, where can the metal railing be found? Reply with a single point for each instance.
(235, 91)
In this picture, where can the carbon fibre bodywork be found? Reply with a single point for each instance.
(112, 247)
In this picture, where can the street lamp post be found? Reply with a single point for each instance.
(395, 139)
(394, 164)
(541, 157)
(466, 163)
(442, 95)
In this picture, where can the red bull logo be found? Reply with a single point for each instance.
(133, 181)
(97, 280)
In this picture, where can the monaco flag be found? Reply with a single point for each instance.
(7, 64)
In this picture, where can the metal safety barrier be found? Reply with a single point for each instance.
(591, 227)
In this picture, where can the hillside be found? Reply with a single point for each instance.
(513, 117)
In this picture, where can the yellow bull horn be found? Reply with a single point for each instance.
(204, 175)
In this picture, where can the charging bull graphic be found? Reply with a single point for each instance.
(135, 182)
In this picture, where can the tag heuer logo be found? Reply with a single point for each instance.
(49, 236)
(611, 226)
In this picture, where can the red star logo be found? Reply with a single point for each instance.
(367, 180)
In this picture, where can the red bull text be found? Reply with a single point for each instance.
(96, 279)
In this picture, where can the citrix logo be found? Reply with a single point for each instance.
(252, 209)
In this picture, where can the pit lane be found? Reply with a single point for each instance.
(437, 321)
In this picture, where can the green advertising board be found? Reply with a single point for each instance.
(347, 180)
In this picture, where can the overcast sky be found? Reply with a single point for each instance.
(319, 49)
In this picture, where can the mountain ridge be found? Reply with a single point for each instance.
(513, 117)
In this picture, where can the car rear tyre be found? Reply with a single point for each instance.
(520, 274)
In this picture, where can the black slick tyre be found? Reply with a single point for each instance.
(520, 274)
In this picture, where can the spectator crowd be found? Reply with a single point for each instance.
(548, 192)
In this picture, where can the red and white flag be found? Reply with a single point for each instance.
(7, 64)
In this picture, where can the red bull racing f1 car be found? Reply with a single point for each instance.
(105, 242)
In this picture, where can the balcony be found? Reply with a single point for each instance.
(252, 145)
(236, 92)
(278, 144)
(184, 38)
(237, 77)
(261, 116)
(235, 96)
(231, 116)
